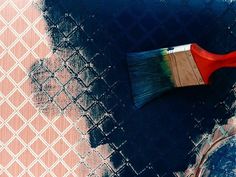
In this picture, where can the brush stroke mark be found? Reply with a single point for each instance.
(58, 92)
(60, 88)
(102, 32)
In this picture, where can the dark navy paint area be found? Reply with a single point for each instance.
(168, 129)
(160, 133)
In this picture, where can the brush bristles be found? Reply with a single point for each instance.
(150, 75)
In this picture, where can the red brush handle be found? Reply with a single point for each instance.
(208, 62)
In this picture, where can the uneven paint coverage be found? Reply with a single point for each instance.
(42, 131)
(210, 147)
(222, 162)
(102, 33)
(83, 75)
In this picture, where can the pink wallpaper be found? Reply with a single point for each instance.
(34, 143)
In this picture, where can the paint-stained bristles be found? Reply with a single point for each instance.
(150, 75)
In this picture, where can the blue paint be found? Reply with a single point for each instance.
(222, 162)
(161, 132)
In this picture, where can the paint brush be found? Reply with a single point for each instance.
(156, 71)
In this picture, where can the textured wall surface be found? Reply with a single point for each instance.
(35, 142)
(31, 143)
(66, 107)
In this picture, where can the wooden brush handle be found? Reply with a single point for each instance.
(184, 69)
(208, 63)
